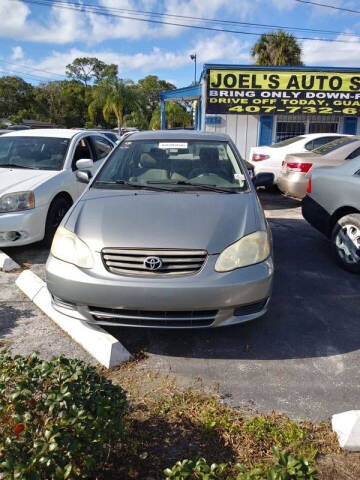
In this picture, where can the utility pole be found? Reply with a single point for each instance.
(193, 57)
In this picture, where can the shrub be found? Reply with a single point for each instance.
(58, 418)
(189, 470)
(284, 468)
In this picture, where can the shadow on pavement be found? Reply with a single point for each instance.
(277, 201)
(31, 254)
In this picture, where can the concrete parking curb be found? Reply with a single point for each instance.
(105, 348)
(6, 263)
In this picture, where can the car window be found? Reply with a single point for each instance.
(286, 142)
(166, 161)
(331, 146)
(102, 147)
(318, 142)
(41, 153)
(82, 150)
(112, 136)
(353, 154)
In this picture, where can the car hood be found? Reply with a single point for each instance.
(18, 180)
(207, 221)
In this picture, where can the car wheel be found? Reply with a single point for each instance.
(56, 213)
(346, 242)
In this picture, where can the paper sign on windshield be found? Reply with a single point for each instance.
(173, 145)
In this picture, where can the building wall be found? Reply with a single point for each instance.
(243, 129)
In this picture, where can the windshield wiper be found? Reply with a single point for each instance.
(15, 165)
(132, 185)
(200, 186)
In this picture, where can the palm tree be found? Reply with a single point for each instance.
(115, 97)
(277, 48)
(176, 116)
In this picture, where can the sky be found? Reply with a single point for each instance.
(37, 41)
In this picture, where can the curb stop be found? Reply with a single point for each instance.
(105, 348)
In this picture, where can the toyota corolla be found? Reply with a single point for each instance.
(169, 233)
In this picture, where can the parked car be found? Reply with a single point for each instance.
(270, 158)
(332, 206)
(169, 233)
(114, 137)
(38, 179)
(110, 134)
(18, 127)
(297, 168)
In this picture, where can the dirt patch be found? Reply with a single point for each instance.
(167, 422)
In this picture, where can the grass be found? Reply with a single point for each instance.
(167, 423)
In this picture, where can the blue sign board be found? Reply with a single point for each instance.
(212, 120)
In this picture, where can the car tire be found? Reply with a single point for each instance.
(57, 211)
(345, 240)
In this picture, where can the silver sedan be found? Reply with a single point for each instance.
(170, 233)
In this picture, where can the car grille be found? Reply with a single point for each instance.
(173, 262)
(143, 318)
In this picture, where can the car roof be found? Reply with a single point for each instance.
(313, 135)
(178, 135)
(47, 132)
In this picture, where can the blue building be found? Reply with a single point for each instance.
(259, 105)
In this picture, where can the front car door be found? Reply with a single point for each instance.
(101, 147)
(82, 150)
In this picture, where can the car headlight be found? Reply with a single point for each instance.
(14, 202)
(69, 248)
(251, 249)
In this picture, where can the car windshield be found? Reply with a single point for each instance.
(40, 153)
(335, 144)
(286, 142)
(177, 164)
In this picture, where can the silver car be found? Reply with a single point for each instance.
(169, 233)
(332, 206)
(297, 168)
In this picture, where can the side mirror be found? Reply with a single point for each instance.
(84, 163)
(263, 180)
(83, 176)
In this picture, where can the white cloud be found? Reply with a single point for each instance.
(332, 53)
(219, 48)
(17, 53)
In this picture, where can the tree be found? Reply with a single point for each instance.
(151, 86)
(176, 116)
(15, 95)
(86, 69)
(62, 102)
(115, 97)
(277, 48)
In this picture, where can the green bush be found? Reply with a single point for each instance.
(284, 468)
(58, 418)
(190, 470)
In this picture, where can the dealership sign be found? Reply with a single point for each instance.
(283, 92)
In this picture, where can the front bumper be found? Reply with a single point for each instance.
(100, 297)
(293, 184)
(30, 224)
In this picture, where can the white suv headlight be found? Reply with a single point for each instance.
(69, 248)
(15, 202)
(251, 249)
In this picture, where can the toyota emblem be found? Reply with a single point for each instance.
(152, 263)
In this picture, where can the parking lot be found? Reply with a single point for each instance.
(301, 358)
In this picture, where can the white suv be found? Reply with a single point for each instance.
(38, 179)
